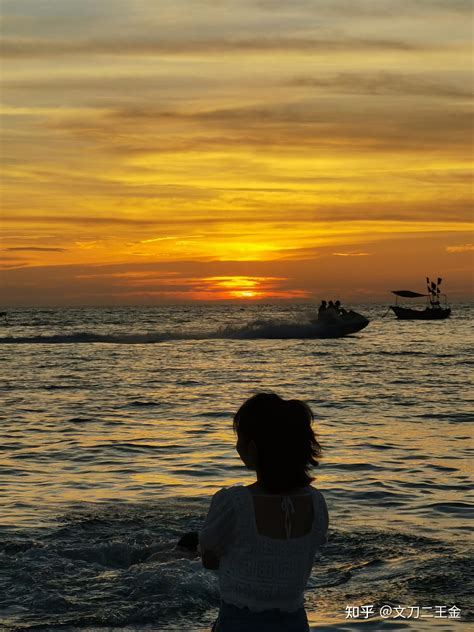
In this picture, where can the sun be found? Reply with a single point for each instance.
(240, 287)
(245, 288)
(245, 294)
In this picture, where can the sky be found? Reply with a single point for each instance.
(161, 151)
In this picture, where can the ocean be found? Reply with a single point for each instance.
(116, 429)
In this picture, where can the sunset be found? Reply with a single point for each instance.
(176, 142)
(236, 274)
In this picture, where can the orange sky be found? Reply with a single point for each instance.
(242, 150)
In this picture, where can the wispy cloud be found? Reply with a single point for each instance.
(29, 47)
(351, 254)
(233, 140)
(335, 125)
(167, 238)
(82, 220)
(386, 83)
(461, 248)
(36, 249)
(342, 217)
(366, 8)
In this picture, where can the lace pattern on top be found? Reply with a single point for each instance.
(257, 571)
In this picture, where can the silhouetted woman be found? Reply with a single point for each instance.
(262, 538)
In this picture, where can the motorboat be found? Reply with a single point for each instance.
(433, 309)
(336, 324)
(429, 313)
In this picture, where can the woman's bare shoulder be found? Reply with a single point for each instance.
(316, 492)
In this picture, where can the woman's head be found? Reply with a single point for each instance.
(275, 437)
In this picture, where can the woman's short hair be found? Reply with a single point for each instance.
(286, 444)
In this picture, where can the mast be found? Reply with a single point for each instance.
(433, 292)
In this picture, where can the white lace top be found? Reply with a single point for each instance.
(257, 571)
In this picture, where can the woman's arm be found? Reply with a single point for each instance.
(216, 534)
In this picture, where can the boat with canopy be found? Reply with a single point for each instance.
(433, 309)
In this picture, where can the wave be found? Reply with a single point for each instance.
(257, 329)
(87, 337)
(120, 566)
(455, 416)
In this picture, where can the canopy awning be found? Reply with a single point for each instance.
(407, 293)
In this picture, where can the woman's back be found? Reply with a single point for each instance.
(263, 543)
(280, 516)
(266, 544)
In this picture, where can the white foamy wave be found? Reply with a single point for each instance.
(121, 567)
(257, 329)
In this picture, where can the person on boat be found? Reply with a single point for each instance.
(339, 309)
(330, 314)
(322, 308)
(262, 538)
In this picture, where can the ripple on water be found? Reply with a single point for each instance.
(384, 401)
(124, 559)
(141, 404)
(456, 508)
(454, 417)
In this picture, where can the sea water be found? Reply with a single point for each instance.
(116, 429)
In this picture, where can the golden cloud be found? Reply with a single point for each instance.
(461, 248)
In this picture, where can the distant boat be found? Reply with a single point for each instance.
(433, 309)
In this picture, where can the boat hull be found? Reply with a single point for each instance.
(430, 313)
(339, 326)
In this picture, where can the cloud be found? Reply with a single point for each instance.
(366, 8)
(36, 249)
(332, 124)
(169, 238)
(82, 220)
(113, 87)
(176, 281)
(185, 281)
(461, 248)
(321, 216)
(15, 47)
(128, 274)
(351, 254)
(265, 214)
(385, 83)
(11, 258)
(236, 286)
(274, 130)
